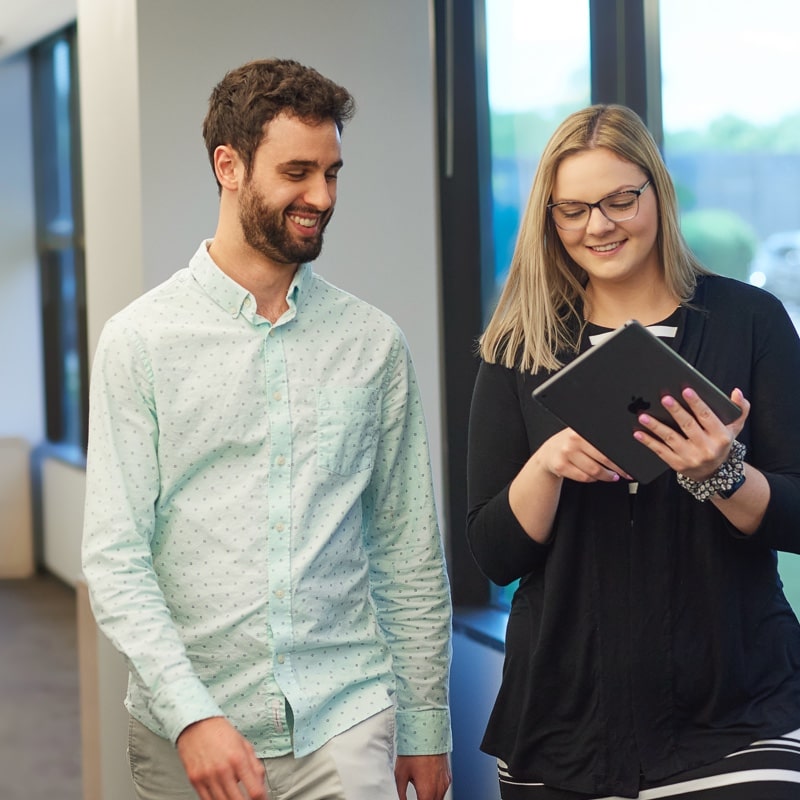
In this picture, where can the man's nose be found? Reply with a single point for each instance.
(321, 194)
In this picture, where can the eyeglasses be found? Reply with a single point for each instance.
(618, 207)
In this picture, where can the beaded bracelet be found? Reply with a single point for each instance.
(728, 477)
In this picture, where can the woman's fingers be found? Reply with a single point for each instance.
(571, 456)
(702, 441)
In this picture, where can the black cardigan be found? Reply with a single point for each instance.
(648, 636)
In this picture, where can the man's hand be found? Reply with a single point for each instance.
(220, 763)
(429, 774)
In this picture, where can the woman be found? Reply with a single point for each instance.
(649, 637)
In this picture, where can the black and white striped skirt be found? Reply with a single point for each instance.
(766, 770)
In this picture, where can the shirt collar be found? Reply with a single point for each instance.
(233, 298)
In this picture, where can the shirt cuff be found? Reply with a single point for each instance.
(182, 703)
(424, 733)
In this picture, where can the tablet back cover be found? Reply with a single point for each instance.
(602, 392)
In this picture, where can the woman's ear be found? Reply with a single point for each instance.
(227, 167)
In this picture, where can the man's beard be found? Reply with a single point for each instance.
(265, 230)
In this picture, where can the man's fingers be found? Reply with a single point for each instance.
(252, 780)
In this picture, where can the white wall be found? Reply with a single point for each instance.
(108, 58)
(63, 487)
(16, 509)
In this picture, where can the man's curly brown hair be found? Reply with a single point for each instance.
(251, 96)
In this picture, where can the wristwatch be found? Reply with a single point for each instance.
(737, 484)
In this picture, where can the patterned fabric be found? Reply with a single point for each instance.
(767, 770)
(260, 523)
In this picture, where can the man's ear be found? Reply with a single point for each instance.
(228, 167)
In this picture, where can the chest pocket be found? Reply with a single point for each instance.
(347, 428)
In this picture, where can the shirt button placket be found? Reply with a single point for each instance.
(278, 489)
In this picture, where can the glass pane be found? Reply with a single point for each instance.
(538, 65)
(538, 72)
(61, 221)
(732, 144)
(53, 136)
(69, 337)
(732, 136)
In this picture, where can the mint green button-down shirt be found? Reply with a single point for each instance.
(260, 538)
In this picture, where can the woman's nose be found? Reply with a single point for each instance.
(598, 221)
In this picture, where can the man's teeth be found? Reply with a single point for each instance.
(304, 221)
(603, 248)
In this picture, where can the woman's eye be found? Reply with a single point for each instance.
(622, 202)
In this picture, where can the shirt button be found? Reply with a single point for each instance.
(279, 594)
(280, 461)
(279, 527)
(281, 659)
(276, 395)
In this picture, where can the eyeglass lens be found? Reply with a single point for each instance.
(617, 207)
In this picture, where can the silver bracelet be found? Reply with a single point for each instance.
(727, 478)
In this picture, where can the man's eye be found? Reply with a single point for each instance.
(295, 176)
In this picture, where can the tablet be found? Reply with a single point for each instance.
(603, 391)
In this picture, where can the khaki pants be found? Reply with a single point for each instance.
(355, 765)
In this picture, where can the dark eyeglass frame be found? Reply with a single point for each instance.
(599, 204)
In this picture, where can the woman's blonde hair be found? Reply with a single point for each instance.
(534, 322)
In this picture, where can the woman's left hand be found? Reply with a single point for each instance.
(702, 442)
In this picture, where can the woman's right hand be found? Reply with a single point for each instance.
(533, 495)
(566, 454)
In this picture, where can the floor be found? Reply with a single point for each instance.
(40, 737)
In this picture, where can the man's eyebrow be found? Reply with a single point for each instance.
(299, 162)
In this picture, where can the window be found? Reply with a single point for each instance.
(732, 137)
(59, 237)
(732, 145)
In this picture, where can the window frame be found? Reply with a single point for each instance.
(52, 247)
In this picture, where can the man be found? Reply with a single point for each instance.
(261, 540)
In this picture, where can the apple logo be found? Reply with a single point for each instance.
(638, 405)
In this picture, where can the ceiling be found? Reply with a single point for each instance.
(23, 23)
